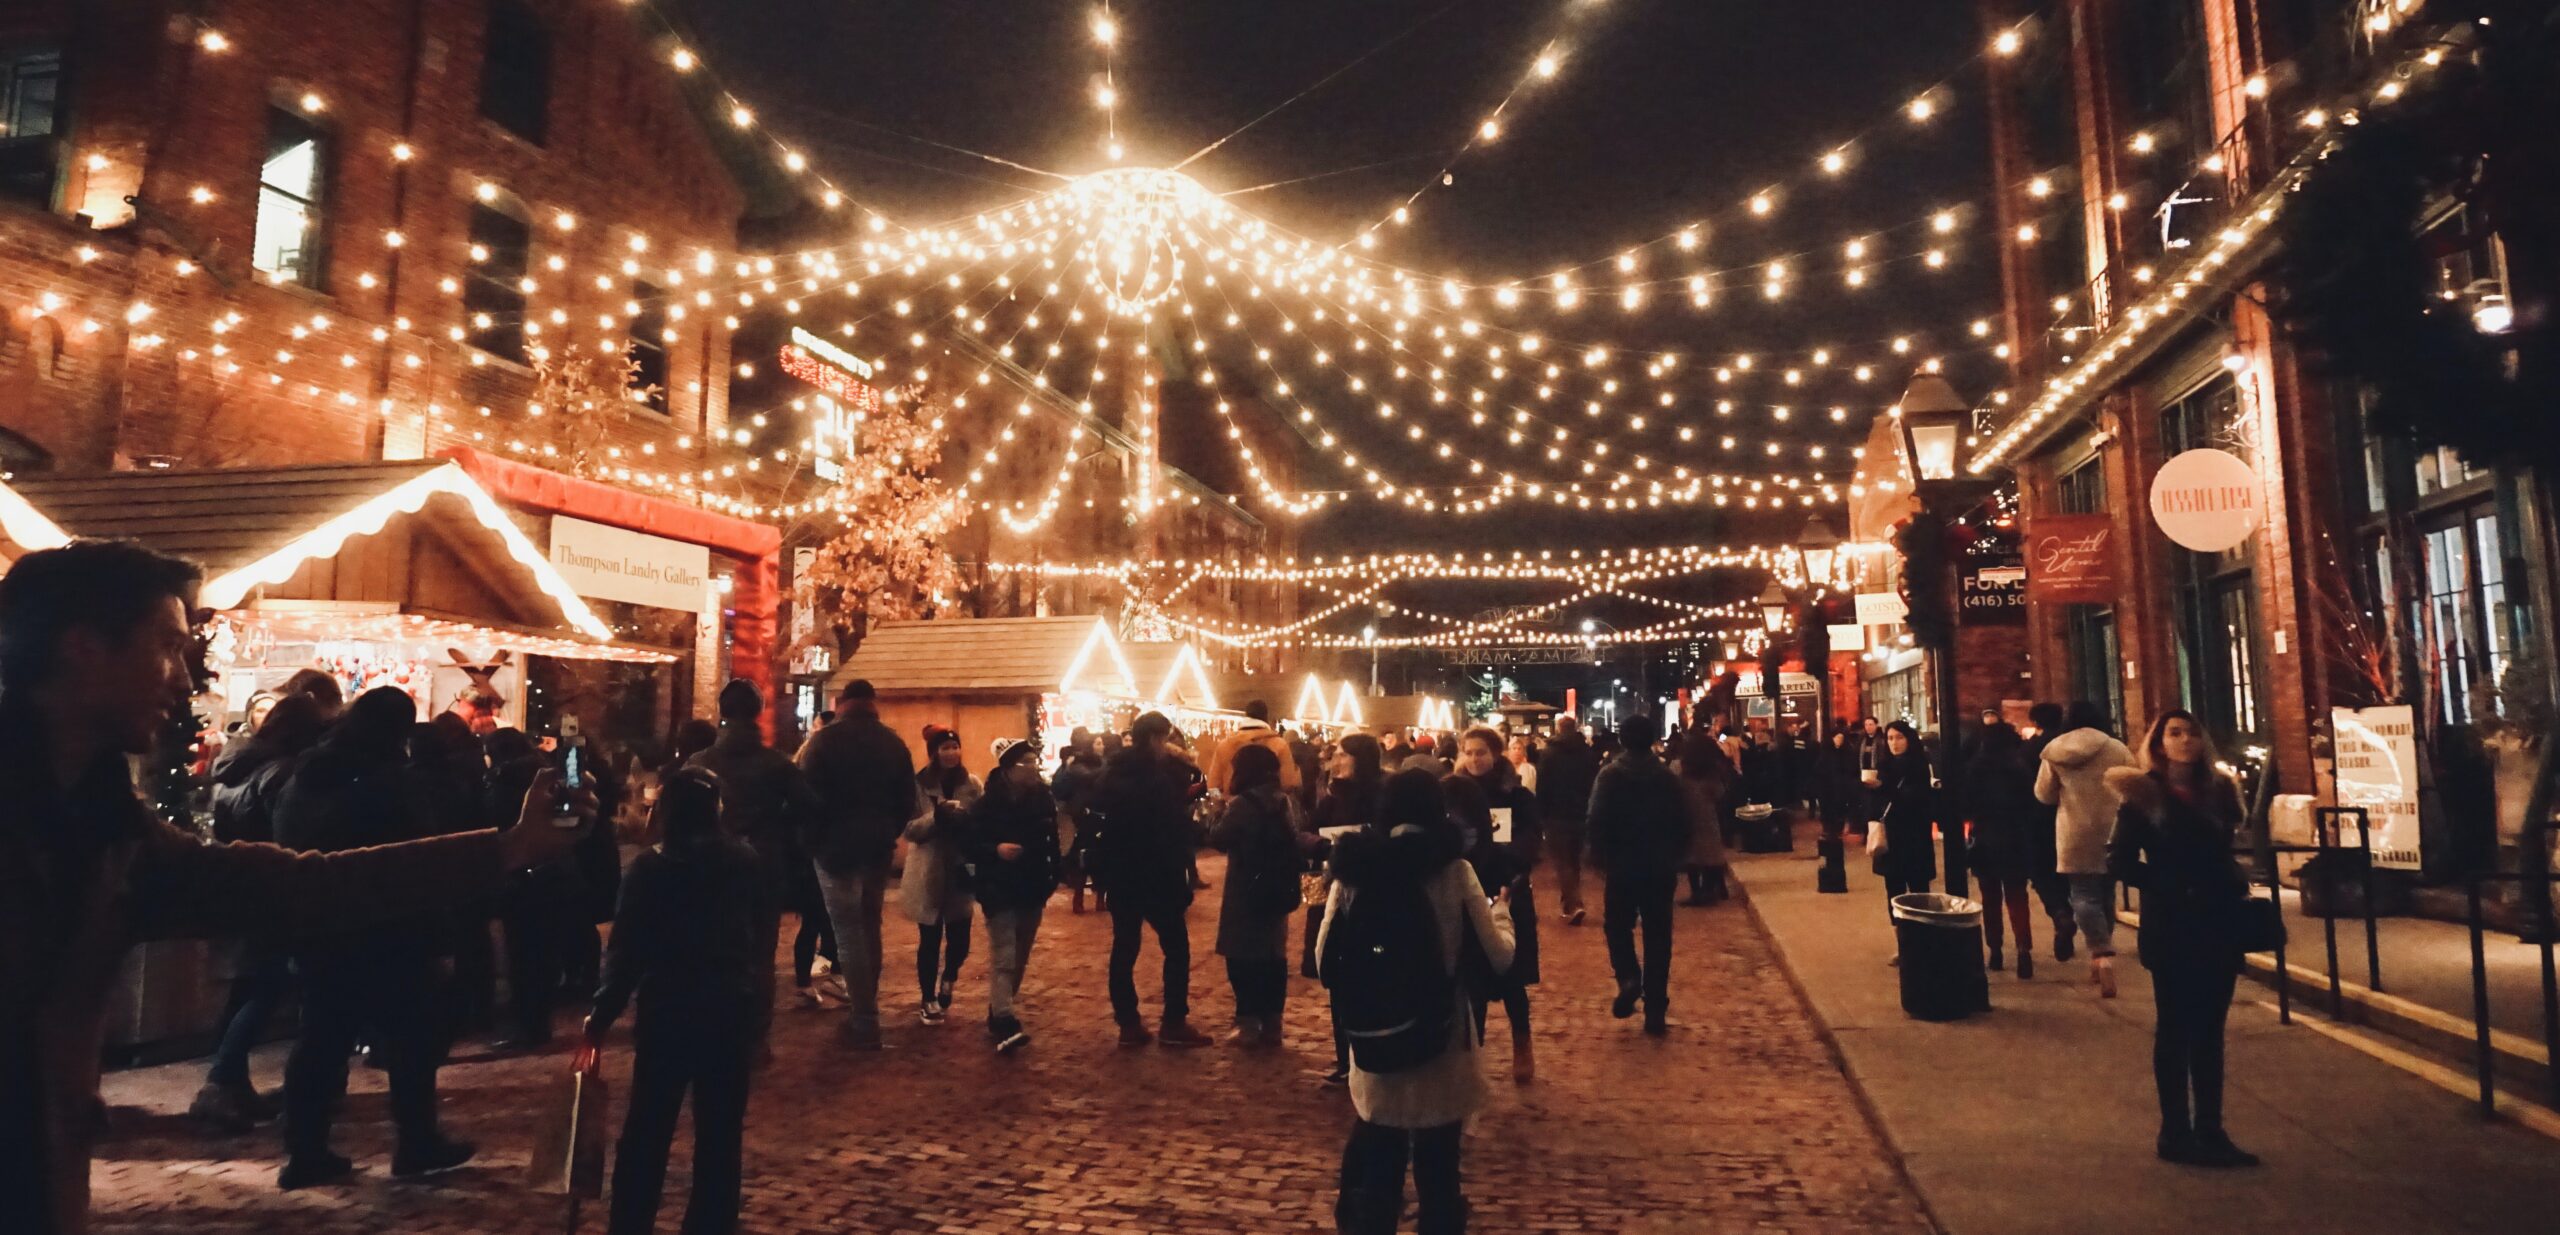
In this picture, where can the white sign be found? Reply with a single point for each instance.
(1847, 638)
(2207, 500)
(611, 563)
(832, 354)
(1502, 825)
(1881, 608)
(2377, 752)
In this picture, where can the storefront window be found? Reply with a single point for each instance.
(2216, 593)
(2089, 643)
(2465, 623)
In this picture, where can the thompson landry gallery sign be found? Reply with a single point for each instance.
(2071, 559)
(611, 563)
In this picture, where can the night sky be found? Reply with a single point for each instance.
(1665, 112)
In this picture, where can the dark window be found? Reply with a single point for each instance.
(30, 110)
(649, 342)
(2089, 631)
(515, 70)
(493, 294)
(287, 244)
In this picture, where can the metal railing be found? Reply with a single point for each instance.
(2483, 1053)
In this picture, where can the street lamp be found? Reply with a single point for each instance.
(1933, 420)
(1821, 549)
(1773, 607)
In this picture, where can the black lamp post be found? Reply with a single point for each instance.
(1934, 419)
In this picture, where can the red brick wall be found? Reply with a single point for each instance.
(622, 156)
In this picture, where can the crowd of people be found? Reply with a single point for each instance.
(365, 856)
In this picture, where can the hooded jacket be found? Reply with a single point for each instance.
(765, 800)
(2073, 778)
(1222, 761)
(1565, 772)
(1450, 1088)
(2176, 848)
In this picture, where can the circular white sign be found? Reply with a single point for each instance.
(2208, 500)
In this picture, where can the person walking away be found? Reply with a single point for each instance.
(536, 906)
(354, 791)
(1351, 799)
(1256, 731)
(1404, 905)
(935, 888)
(1142, 861)
(1079, 773)
(2054, 891)
(693, 937)
(1704, 776)
(1565, 776)
(2000, 795)
(1260, 837)
(1908, 860)
(1503, 859)
(95, 648)
(2173, 841)
(452, 772)
(2073, 779)
(1012, 842)
(766, 802)
(1640, 837)
(865, 779)
(246, 783)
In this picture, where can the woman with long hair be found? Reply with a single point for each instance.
(1907, 862)
(1355, 783)
(935, 887)
(2173, 841)
(1503, 856)
(1013, 862)
(2000, 796)
(1411, 866)
(1705, 777)
(1260, 838)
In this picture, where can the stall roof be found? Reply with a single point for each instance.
(255, 527)
(991, 655)
(23, 528)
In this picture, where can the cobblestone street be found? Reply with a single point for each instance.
(1740, 1121)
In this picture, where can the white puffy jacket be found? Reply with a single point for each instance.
(2073, 777)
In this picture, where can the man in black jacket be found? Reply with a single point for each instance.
(865, 778)
(1640, 836)
(354, 791)
(766, 801)
(1142, 861)
(1566, 770)
(693, 936)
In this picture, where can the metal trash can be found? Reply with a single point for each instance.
(1765, 828)
(1940, 938)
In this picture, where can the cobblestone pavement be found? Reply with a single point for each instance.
(1739, 1121)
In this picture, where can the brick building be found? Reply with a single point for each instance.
(2145, 157)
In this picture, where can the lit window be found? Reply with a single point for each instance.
(286, 244)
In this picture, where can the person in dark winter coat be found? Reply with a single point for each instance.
(1079, 773)
(865, 779)
(1353, 793)
(247, 780)
(934, 889)
(356, 790)
(2173, 842)
(1566, 769)
(539, 908)
(1260, 837)
(1013, 866)
(1640, 835)
(766, 801)
(693, 938)
(2044, 872)
(1907, 803)
(1837, 780)
(2000, 802)
(1503, 858)
(1142, 860)
(95, 647)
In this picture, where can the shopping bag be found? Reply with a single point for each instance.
(569, 1146)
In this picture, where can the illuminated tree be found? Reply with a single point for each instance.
(579, 396)
(889, 561)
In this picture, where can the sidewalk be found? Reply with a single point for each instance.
(2039, 1116)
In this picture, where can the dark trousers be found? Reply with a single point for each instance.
(264, 976)
(2193, 994)
(1630, 899)
(391, 1002)
(1896, 885)
(1173, 938)
(817, 937)
(940, 949)
(1564, 842)
(1261, 984)
(2000, 888)
(537, 937)
(1373, 1166)
(712, 1062)
(1515, 1009)
(471, 1001)
(2053, 891)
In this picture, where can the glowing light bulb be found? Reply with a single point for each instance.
(2010, 43)
(1922, 109)
(1105, 31)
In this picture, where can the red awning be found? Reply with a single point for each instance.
(543, 489)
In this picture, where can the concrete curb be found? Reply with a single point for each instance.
(1867, 1107)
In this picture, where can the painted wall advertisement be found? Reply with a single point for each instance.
(2377, 750)
(2071, 559)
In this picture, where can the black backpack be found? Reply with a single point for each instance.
(1393, 994)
